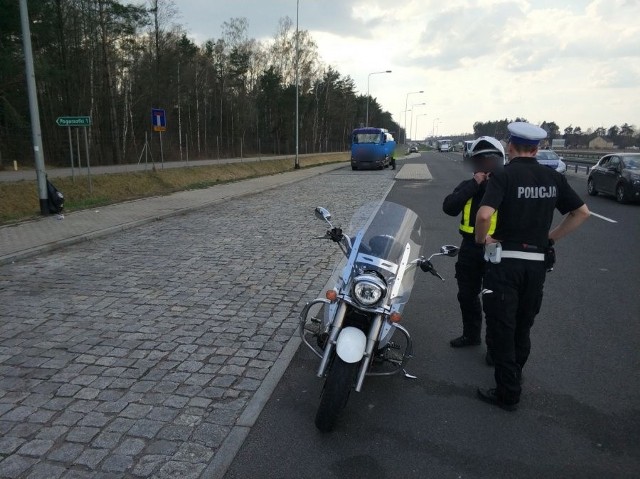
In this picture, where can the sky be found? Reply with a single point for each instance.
(574, 62)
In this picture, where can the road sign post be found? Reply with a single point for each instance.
(83, 122)
(159, 123)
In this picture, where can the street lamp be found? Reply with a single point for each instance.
(405, 111)
(418, 116)
(411, 126)
(368, 77)
(297, 162)
(433, 127)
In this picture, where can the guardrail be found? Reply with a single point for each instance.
(579, 160)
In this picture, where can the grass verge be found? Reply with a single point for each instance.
(20, 199)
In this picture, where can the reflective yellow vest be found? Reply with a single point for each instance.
(465, 224)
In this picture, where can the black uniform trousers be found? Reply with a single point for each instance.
(510, 309)
(470, 268)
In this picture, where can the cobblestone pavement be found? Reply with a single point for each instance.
(134, 355)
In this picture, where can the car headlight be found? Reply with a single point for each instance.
(368, 289)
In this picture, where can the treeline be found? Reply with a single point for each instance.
(623, 136)
(114, 62)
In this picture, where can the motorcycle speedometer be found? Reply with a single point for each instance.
(368, 290)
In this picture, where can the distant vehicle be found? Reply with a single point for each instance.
(551, 159)
(371, 148)
(466, 149)
(617, 175)
(445, 145)
(413, 149)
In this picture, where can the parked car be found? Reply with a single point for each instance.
(551, 159)
(412, 149)
(617, 175)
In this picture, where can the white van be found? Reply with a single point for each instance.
(444, 145)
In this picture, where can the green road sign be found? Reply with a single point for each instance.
(73, 121)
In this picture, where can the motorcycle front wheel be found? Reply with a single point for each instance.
(335, 393)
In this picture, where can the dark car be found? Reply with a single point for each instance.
(551, 159)
(617, 175)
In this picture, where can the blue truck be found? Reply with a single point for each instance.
(372, 148)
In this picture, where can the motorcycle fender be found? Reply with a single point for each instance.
(351, 345)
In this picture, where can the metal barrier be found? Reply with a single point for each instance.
(580, 159)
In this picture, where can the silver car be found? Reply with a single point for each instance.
(551, 159)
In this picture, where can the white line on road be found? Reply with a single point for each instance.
(603, 217)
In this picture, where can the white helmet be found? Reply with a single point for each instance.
(486, 145)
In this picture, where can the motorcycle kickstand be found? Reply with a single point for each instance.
(407, 375)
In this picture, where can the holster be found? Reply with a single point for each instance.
(549, 258)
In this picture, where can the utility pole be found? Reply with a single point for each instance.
(297, 162)
(36, 133)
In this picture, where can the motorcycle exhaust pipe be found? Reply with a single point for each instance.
(372, 338)
(333, 336)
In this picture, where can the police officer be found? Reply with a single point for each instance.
(486, 155)
(526, 195)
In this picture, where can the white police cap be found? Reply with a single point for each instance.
(525, 133)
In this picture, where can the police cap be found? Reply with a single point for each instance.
(524, 133)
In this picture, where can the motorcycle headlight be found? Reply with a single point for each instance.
(368, 290)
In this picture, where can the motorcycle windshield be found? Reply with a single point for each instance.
(388, 242)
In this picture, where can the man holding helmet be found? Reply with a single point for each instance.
(486, 155)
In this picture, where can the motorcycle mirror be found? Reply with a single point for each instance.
(449, 250)
(322, 214)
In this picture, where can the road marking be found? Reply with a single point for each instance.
(414, 171)
(603, 217)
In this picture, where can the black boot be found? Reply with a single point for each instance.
(463, 341)
(489, 396)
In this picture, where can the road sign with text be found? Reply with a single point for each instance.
(73, 121)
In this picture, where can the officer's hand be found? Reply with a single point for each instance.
(480, 177)
(490, 239)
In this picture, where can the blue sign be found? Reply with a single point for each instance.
(158, 119)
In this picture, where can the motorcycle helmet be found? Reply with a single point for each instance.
(486, 154)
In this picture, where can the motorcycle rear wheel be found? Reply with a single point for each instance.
(335, 394)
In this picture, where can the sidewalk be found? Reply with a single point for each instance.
(30, 238)
(152, 353)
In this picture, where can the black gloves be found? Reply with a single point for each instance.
(335, 234)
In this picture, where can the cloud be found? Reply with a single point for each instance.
(614, 75)
(571, 62)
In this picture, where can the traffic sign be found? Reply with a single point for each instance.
(158, 119)
(73, 121)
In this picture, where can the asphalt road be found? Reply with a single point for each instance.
(579, 414)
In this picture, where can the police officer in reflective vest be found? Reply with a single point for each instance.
(519, 253)
(486, 155)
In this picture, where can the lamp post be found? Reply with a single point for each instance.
(405, 111)
(433, 127)
(34, 112)
(411, 125)
(297, 162)
(418, 116)
(366, 123)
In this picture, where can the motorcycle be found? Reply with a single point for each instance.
(355, 329)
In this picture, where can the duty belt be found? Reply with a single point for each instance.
(522, 255)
